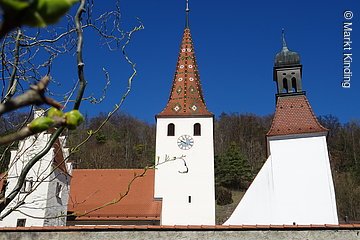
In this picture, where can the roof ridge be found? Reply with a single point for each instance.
(313, 114)
(273, 120)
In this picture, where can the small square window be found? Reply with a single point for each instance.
(27, 186)
(21, 222)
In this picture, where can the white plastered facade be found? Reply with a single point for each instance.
(294, 186)
(43, 202)
(188, 198)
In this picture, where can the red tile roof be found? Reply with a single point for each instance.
(186, 98)
(59, 161)
(93, 188)
(294, 115)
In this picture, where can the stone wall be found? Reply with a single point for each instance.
(137, 233)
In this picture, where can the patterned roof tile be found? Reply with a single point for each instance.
(186, 98)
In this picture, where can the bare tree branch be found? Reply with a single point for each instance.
(80, 61)
(13, 80)
(124, 96)
(34, 96)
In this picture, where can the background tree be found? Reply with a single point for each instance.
(344, 150)
(232, 169)
(247, 131)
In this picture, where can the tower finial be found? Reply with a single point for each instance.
(284, 46)
(187, 14)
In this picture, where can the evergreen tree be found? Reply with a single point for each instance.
(232, 169)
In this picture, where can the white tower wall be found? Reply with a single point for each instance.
(295, 185)
(177, 188)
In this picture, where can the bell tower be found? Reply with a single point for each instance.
(184, 131)
(287, 71)
(295, 184)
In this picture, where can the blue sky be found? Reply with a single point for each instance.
(235, 44)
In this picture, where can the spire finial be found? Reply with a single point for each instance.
(284, 46)
(187, 14)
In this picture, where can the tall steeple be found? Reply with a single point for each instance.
(287, 70)
(185, 128)
(186, 97)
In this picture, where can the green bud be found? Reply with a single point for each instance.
(36, 13)
(52, 10)
(40, 124)
(54, 112)
(73, 119)
(14, 5)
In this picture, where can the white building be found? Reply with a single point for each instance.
(185, 129)
(295, 185)
(45, 193)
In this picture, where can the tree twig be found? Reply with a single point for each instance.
(13, 80)
(34, 96)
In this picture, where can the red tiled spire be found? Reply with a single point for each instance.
(186, 98)
(294, 115)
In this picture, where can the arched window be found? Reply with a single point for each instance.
(197, 129)
(171, 130)
(293, 84)
(285, 86)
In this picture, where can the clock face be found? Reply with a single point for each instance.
(185, 142)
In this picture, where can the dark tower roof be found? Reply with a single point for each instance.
(186, 98)
(286, 57)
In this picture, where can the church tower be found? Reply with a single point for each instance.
(295, 185)
(184, 130)
(42, 200)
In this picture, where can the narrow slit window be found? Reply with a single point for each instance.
(285, 86)
(171, 129)
(197, 129)
(59, 189)
(189, 199)
(293, 83)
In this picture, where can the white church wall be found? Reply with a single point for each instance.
(58, 192)
(188, 198)
(256, 206)
(40, 202)
(57, 199)
(294, 186)
(34, 201)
